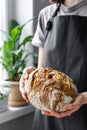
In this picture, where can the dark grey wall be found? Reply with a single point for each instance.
(21, 123)
(38, 5)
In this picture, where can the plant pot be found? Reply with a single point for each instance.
(15, 97)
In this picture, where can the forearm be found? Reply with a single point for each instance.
(41, 57)
(84, 97)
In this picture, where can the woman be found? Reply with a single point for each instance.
(61, 36)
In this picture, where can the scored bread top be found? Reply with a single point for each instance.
(51, 88)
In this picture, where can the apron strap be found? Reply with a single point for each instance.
(49, 23)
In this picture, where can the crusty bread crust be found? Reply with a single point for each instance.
(50, 89)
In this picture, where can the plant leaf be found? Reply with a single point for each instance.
(27, 39)
(0, 48)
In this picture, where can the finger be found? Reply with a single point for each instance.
(46, 113)
(25, 76)
(66, 113)
(21, 88)
(57, 114)
(68, 107)
(22, 84)
(54, 113)
(69, 112)
(22, 81)
(61, 114)
(28, 70)
(25, 96)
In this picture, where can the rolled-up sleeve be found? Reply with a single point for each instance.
(39, 36)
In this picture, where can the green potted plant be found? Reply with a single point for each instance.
(13, 60)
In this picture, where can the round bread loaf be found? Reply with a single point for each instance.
(50, 89)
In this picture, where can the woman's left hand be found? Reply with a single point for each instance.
(68, 109)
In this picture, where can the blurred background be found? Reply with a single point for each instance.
(20, 11)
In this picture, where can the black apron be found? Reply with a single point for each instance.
(66, 50)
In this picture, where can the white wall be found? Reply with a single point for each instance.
(22, 11)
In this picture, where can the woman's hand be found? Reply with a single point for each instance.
(68, 109)
(24, 76)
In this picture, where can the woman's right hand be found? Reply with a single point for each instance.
(24, 76)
